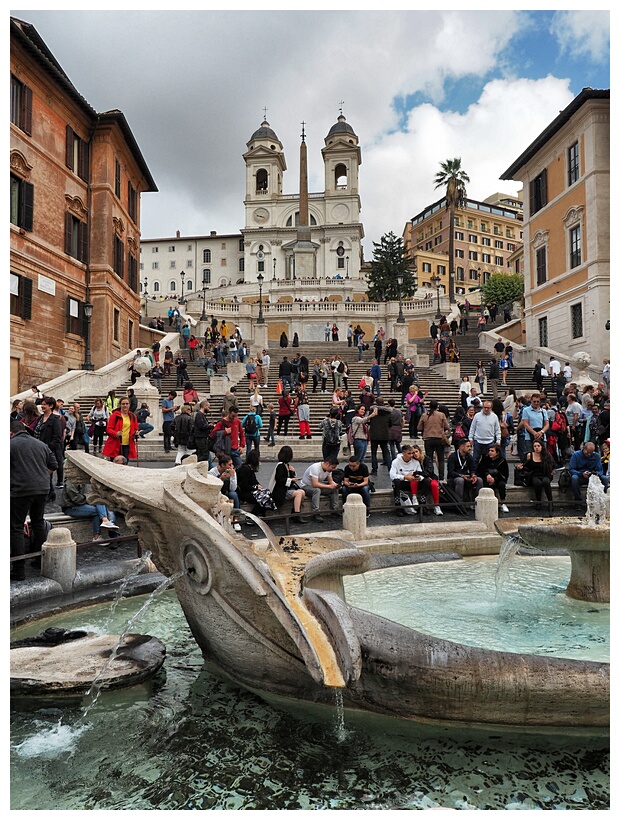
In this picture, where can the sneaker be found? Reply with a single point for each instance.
(97, 538)
(504, 508)
(59, 486)
(109, 525)
(318, 518)
(299, 519)
(438, 510)
(414, 501)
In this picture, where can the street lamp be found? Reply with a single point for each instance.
(274, 269)
(88, 312)
(205, 288)
(260, 320)
(146, 298)
(182, 299)
(437, 282)
(347, 276)
(401, 318)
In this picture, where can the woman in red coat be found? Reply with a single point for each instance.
(122, 430)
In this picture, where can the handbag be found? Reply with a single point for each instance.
(522, 478)
(264, 499)
(91, 429)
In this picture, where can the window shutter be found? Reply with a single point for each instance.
(69, 148)
(84, 153)
(532, 197)
(83, 242)
(28, 201)
(26, 294)
(26, 112)
(67, 315)
(543, 187)
(68, 232)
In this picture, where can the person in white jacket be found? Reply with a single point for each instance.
(405, 468)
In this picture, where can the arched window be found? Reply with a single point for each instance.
(206, 256)
(155, 287)
(206, 276)
(262, 180)
(289, 221)
(223, 282)
(189, 285)
(340, 176)
(173, 286)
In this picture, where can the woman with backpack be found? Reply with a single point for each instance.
(331, 430)
(252, 424)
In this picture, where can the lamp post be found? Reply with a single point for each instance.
(274, 269)
(401, 318)
(205, 288)
(146, 298)
(437, 282)
(88, 312)
(182, 299)
(347, 276)
(261, 319)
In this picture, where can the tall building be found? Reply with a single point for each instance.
(305, 245)
(485, 235)
(76, 180)
(566, 229)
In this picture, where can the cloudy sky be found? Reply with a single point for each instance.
(418, 87)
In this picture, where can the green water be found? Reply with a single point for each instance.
(190, 741)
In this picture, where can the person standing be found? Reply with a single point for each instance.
(302, 408)
(285, 411)
(375, 373)
(359, 433)
(32, 464)
(168, 409)
(379, 432)
(484, 431)
(465, 391)
(434, 428)
(350, 336)
(229, 432)
(48, 429)
(202, 430)
(266, 358)
(396, 429)
(331, 430)
(98, 419)
(327, 331)
(494, 374)
(122, 430)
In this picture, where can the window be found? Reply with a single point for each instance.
(470, 225)
(543, 337)
(459, 253)
(172, 286)
(438, 240)
(426, 267)
(576, 320)
(429, 245)
(173, 264)
(141, 265)
(473, 274)
(21, 296)
(499, 260)
(132, 202)
(241, 245)
(262, 181)
(473, 238)
(575, 246)
(130, 334)
(340, 262)
(171, 248)
(486, 240)
(189, 247)
(289, 221)
(76, 239)
(155, 287)
(133, 274)
(261, 267)
(573, 163)
(241, 264)
(189, 285)
(541, 265)
(486, 258)
(116, 323)
(75, 319)
(119, 256)
(510, 246)
(22, 203)
(497, 230)
(509, 233)
(223, 246)
(441, 270)
(484, 227)
(21, 105)
(486, 276)
(155, 266)
(222, 263)
(206, 276)
(117, 178)
(189, 263)
(473, 255)
(538, 192)
(340, 176)
(206, 256)
(460, 274)
(155, 249)
(76, 157)
(499, 244)
(459, 235)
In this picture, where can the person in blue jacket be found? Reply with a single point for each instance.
(583, 464)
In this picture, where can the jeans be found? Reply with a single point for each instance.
(363, 491)
(236, 457)
(234, 498)
(394, 448)
(577, 481)
(360, 446)
(479, 451)
(94, 511)
(252, 442)
(144, 427)
(361, 352)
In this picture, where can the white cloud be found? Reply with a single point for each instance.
(583, 33)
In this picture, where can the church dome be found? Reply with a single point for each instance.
(265, 132)
(341, 127)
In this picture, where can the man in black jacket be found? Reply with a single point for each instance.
(493, 378)
(32, 463)
(379, 431)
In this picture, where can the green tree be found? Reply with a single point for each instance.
(390, 260)
(453, 178)
(503, 288)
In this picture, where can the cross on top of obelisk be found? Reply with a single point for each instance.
(303, 131)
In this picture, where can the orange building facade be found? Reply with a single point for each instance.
(566, 229)
(76, 180)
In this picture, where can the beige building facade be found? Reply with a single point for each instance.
(566, 229)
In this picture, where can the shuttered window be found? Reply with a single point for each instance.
(538, 192)
(22, 203)
(76, 238)
(21, 296)
(77, 154)
(119, 257)
(21, 105)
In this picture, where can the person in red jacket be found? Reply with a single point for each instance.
(122, 430)
(228, 436)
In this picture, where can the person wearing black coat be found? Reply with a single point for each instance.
(493, 470)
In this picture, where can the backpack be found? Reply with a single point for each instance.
(332, 436)
(250, 425)
(559, 423)
(564, 481)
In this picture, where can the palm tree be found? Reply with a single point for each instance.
(454, 178)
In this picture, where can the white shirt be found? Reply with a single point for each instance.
(465, 387)
(400, 467)
(554, 367)
(568, 371)
(266, 359)
(233, 479)
(315, 471)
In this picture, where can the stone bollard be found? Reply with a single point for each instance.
(487, 508)
(354, 516)
(59, 558)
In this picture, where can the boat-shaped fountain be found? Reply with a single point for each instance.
(272, 617)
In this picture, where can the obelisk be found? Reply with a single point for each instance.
(304, 247)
